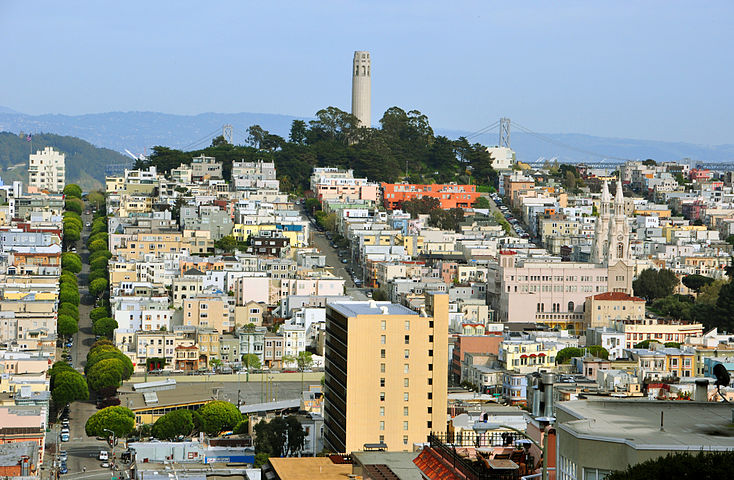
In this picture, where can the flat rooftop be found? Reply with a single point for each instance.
(401, 463)
(309, 468)
(354, 308)
(190, 393)
(686, 425)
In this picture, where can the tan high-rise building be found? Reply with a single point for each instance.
(386, 373)
(362, 88)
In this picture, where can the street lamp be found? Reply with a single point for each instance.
(484, 427)
(114, 441)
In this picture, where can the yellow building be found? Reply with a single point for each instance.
(386, 374)
(670, 231)
(604, 309)
(525, 356)
(414, 244)
(652, 212)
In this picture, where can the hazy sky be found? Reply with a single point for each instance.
(644, 69)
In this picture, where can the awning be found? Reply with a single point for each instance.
(541, 354)
(532, 355)
(523, 356)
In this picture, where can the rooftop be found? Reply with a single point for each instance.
(690, 426)
(371, 307)
(309, 468)
(192, 393)
(617, 296)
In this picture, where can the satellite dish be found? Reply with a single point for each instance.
(722, 376)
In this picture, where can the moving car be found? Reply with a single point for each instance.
(104, 455)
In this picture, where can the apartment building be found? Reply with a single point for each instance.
(205, 168)
(47, 170)
(448, 195)
(605, 309)
(208, 311)
(386, 373)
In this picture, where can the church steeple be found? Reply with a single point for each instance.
(611, 235)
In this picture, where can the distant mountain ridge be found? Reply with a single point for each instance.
(137, 131)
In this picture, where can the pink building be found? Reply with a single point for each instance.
(347, 189)
(548, 291)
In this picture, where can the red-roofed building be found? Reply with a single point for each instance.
(604, 309)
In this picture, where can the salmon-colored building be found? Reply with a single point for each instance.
(449, 196)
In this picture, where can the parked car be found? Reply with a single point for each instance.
(63, 469)
(65, 437)
(63, 456)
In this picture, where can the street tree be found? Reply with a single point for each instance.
(105, 373)
(108, 351)
(173, 425)
(70, 310)
(105, 327)
(74, 205)
(73, 190)
(69, 386)
(219, 416)
(66, 326)
(97, 286)
(96, 199)
(69, 296)
(251, 361)
(71, 262)
(97, 245)
(120, 420)
(97, 313)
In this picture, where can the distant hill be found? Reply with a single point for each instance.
(137, 131)
(85, 163)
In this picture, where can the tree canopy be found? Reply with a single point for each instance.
(72, 190)
(701, 466)
(280, 437)
(69, 386)
(566, 354)
(696, 282)
(66, 326)
(120, 420)
(173, 424)
(105, 327)
(652, 284)
(219, 416)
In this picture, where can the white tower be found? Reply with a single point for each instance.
(619, 231)
(601, 232)
(361, 88)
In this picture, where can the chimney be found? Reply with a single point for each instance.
(701, 393)
(547, 379)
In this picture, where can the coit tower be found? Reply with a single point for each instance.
(361, 88)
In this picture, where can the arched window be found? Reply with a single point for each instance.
(364, 70)
(542, 307)
(356, 70)
(570, 306)
(620, 250)
(537, 308)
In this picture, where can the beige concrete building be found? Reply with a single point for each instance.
(47, 170)
(604, 309)
(386, 373)
(207, 311)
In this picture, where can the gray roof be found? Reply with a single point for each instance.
(354, 308)
(686, 425)
(10, 453)
(270, 406)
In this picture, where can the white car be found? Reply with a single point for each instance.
(104, 455)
